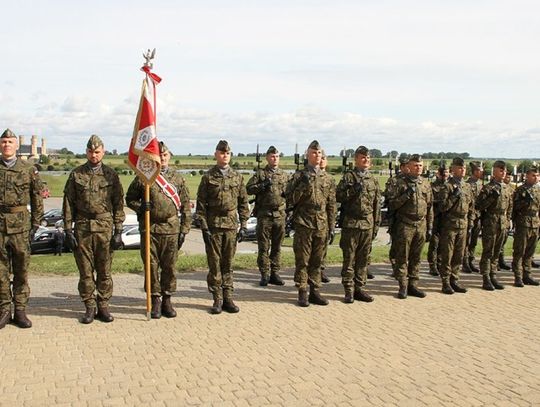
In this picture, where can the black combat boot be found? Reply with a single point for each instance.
(433, 269)
(518, 281)
(466, 268)
(89, 315)
(303, 298)
(402, 293)
(217, 306)
(5, 317)
(456, 287)
(473, 268)
(413, 291)
(361, 295)
(315, 297)
(349, 296)
(275, 279)
(496, 284)
(370, 276)
(528, 280)
(103, 313)
(486, 284)
(264, 280)
(155, 312)
(535, 265)
(324, 277)
(502, 263)
(229, 305)
(447, 288)
(21, 320)
(166, 307)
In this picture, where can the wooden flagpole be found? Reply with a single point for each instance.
(147, 250)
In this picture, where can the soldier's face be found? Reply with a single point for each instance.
(362, 161)
(324, 163)
(165, 157)
(415, 168)
(222, 157)
(314, 157)
(9, 146)
(499, 174)
(478, 173)
(458, 171)
(272, 160)
(94, 156)
(532, 178)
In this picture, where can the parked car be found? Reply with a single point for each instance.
(43, 242)
(131, 237)
(51, 217)
(251, 233)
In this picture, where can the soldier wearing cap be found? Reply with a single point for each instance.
(432, 256)
(170, 222)
(93, 212)
(222, 200)
(456, 212)
(311, 194)
(360, 198)
(268, 185)
(324, 276)
(495, 205)
(526, 220)
(20, 186)
(502, 265)
(475, 181)
(410, 198)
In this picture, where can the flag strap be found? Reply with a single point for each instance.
(169, 190)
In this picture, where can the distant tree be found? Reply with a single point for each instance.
(43, 159)
(115, 151)
(64, 150)
(241, 155)
(189, 155)
(50, 167)
(524, 165)
(201, 172)
(376, 153)
(392, 153)
(193, 173)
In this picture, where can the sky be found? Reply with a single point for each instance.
(411, 76)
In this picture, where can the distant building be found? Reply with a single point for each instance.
(31, 151)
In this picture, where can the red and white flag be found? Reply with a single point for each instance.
(143, 155)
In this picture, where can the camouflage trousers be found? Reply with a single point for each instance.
(492, 243)
(409, 241)
(14, 259)
(309, 246)
(473, 239)
(220, 250)
(433, 249)
(163, 255)
(525, 240)
(356, 247)
(270, 235)
(94, 258)
(451, 250)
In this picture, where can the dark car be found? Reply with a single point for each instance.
(43, 242)
(51, 216)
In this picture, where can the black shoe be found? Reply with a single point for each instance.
(528, 280)
(465, 267)
(503, 265)
(303, 298)
(487, 285)
(402, 293)
(155, 312)
(518, 282)
(167, 309)
(5, 317)
(264, 280)
(496, 284)
(230, 306)
(21, 320)
(473, 268)
(104, 315)
(415, 292)
(535, 265)
(447, 288)
(275, 279)
(370, 276)
(456, 287)
(361, 295)
(316, 298)
(324, 277)
(349, 297)
(88, 316)
(217, 307)
(433, 270)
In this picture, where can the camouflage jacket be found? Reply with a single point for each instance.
(312, 195)
(526, 206)
(20, 186)
(165, 219)
(389, 186)
(269, 201)
(455, 204)
(495, 203)
(476, 187)
(436, 187)
(222, 200)
(411, 200)
(93, 200)
(360, 198)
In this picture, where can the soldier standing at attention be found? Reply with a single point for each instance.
(502, 263)
(222, 200)
(360, 198)
(495, 206)
(311, 194)
(410, 198)
(94, 203)
(433, 249)
(324, 276)
(475, 181)
(526, 220)
(170, 221)
(456, 208)
(268, 185)
(20, 185)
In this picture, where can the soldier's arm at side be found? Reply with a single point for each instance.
(331, 206)
(135, 195)
(243, 204)
(36, 199)
(202, 202)
(377, 205)
(68, 205)
(430, 214)
(118, 204)
(444, 198)
(185, 209)
(343, 189)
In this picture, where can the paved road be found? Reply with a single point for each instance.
(475, 349)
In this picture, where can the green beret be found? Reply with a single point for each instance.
(475, 165)
(163, 148)
(314, 145)
(94, 142)
(415, 158)
(499, 164)
(362, 150)
(458, 161)
(272, 150)
(223, 145)
(8, 134)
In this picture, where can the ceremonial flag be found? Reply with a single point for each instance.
(143, 155)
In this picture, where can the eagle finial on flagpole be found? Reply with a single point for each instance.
(148, 56)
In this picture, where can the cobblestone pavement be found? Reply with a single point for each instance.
(481, 348)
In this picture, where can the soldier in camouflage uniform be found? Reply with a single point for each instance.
(360, 197)
(495, 206)
(456, 208)
(475, 181)
(20, 186)
(410, 198)
(433, 249)
(502, 265)
(268, 185)
(94, 204)
(170, 221)
(324, 276)
(222, 200)
(312, 197)
(526, 218)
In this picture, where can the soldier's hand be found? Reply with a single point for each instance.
(33, 233)
(181, 239)
(305, 177)
(71, 240)
(116, 241)
(242, 233)
(429, 235)
(331, 236)
(145, 206)
(358, 187)
(411, 190)
(496, 192)
(207, 236)
(266, 184)
(375, 233)
(456, 193)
